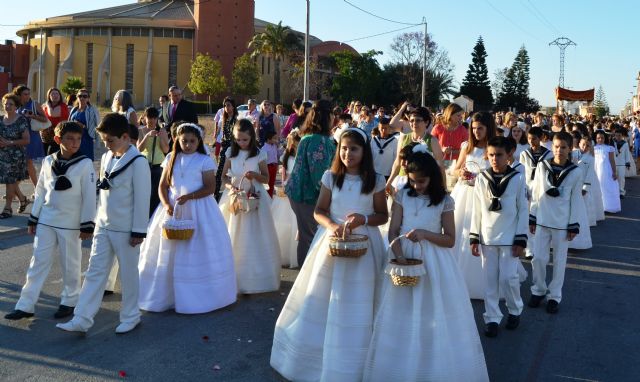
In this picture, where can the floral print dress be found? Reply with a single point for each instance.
(13, 161)
(315, 153)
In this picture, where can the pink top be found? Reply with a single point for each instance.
(450, 138)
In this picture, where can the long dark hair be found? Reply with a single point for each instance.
(177, 149)
(225, 116)
(367, 170)
(488, 121)
(292, 147)
(319, 119)
(425, 165)
(245, 126)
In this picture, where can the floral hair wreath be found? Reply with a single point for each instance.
(182, 126)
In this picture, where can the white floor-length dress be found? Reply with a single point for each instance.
(470, 266)
(195, 275)
(253, 235)
(324, 329)
(415, 327)
(286, 225)
(608, 186)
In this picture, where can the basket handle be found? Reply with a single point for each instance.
(404, 237)
(177, 211)
(252, 188)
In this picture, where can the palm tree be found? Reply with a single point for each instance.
(277, 42)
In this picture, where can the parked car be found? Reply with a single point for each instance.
(243, 110)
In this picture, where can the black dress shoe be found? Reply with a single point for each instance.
(491, 329)
(17, 315)
(107, 293)
(552, 306)
(512, 322)
(63, 311)
(535, 301)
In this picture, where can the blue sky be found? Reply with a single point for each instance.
(605, 54)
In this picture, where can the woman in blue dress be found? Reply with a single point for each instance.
(87, 115)
(31, 110)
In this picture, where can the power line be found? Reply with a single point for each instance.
(530, 10)
(380, 34)
(511, 21)
(543, 17)
(380, 17)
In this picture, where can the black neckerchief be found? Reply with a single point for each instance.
(386, 143)
(619, 146)
(535, 158)
(105, 182)
(497, 187)
(59, 167)
(557, 179)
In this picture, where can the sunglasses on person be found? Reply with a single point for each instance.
(416, 120)
(83, 95)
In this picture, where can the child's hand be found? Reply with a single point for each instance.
(615, 176)
(169, 210)
(532, 229)
(249, 175)
(31, 230)
(85, 235)
(134, 241)
(355, 220)
(475, 250)
(571, 235)
(338, 230)
(182, 199)
(516, 250)
(415, 235)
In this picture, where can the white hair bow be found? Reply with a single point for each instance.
(181, 127)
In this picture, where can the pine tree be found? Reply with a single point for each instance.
(522, 76)
(600, 103)
(514, 93)
(476, 84)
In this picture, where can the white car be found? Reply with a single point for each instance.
(243, 110)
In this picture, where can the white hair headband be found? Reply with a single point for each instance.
(421, 148)
(200, 133)
(359, 131)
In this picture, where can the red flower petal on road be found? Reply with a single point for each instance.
(122, 374)
(205, 338)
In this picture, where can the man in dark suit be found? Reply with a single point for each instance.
(178, 109)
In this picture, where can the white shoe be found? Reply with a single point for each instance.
(126, 327)
(71, 326)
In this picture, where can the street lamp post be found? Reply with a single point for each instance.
(305, 85)
(424, 64)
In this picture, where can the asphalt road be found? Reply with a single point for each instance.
(594, 337)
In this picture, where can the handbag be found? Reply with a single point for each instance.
(243, 201)
(37, 125)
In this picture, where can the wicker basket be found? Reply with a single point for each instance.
(243, 201)
(280, 192)
(412, 270)
(177, 228)
(351, 245)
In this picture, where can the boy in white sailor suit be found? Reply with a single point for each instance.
(554, 219)
(62, 216)
(622, 157)
(530, 158)
(499, 224)
(121, 225)
(384, 148)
